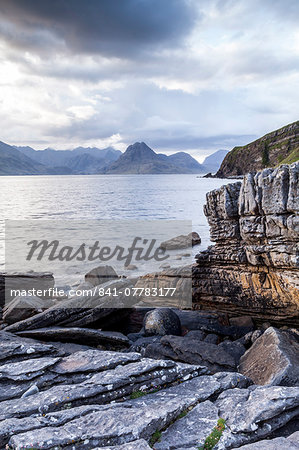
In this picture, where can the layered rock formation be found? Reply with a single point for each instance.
(253, 268)
(51, 398)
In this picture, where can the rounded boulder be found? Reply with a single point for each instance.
(161, 322)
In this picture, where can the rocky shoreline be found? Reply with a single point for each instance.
(223, 375)
(253, 268)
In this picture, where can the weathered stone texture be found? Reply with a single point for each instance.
(254, 266)
(272, 359)
(72, 403)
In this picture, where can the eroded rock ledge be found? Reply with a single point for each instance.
(96, 399)
(253, 268)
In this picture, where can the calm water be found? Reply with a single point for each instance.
(106, 197)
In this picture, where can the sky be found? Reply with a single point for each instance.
(180, 75)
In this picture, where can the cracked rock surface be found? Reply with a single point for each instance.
(90, 399)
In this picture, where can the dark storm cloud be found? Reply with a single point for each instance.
(178, 74)
(109, 27)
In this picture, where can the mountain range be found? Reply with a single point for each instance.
(81, 160)
(139, 158)
(275, 148)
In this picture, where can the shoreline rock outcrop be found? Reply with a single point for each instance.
(168, 386)
(253, 268)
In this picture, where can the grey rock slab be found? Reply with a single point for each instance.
(10, 427)
(246, 409)
(16, 348)
(141, 343)
(235, 349)
(188, 393)
(93, 361)
(159, 351)
(192, 351)
(141, 444)
(293, 202)
(272, 359)
(190, 430)
(101, 428)
(223, 202)
(294, 437)
(67, 348)
(131, 421)
(280, 443)
(145, 374)
(26, 370)
(253, 414)
(77, 335)
(274, 189)
(124, 375)
(235, 440)
(231, 380)
(211, 338)
(100, 388)
(9, 391)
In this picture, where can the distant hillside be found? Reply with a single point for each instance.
(141, 159)
(213, 162)
(13, 162)
(275, 148)
(81, 160)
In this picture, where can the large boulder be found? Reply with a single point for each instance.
(23, 307)
(100, 275)
(161, 321)
(182, 241)
(273, 359)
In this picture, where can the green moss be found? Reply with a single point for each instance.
(138, 394)
(155, 438)
(215, 436)
(183, 414)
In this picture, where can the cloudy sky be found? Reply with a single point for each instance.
(194, 75)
